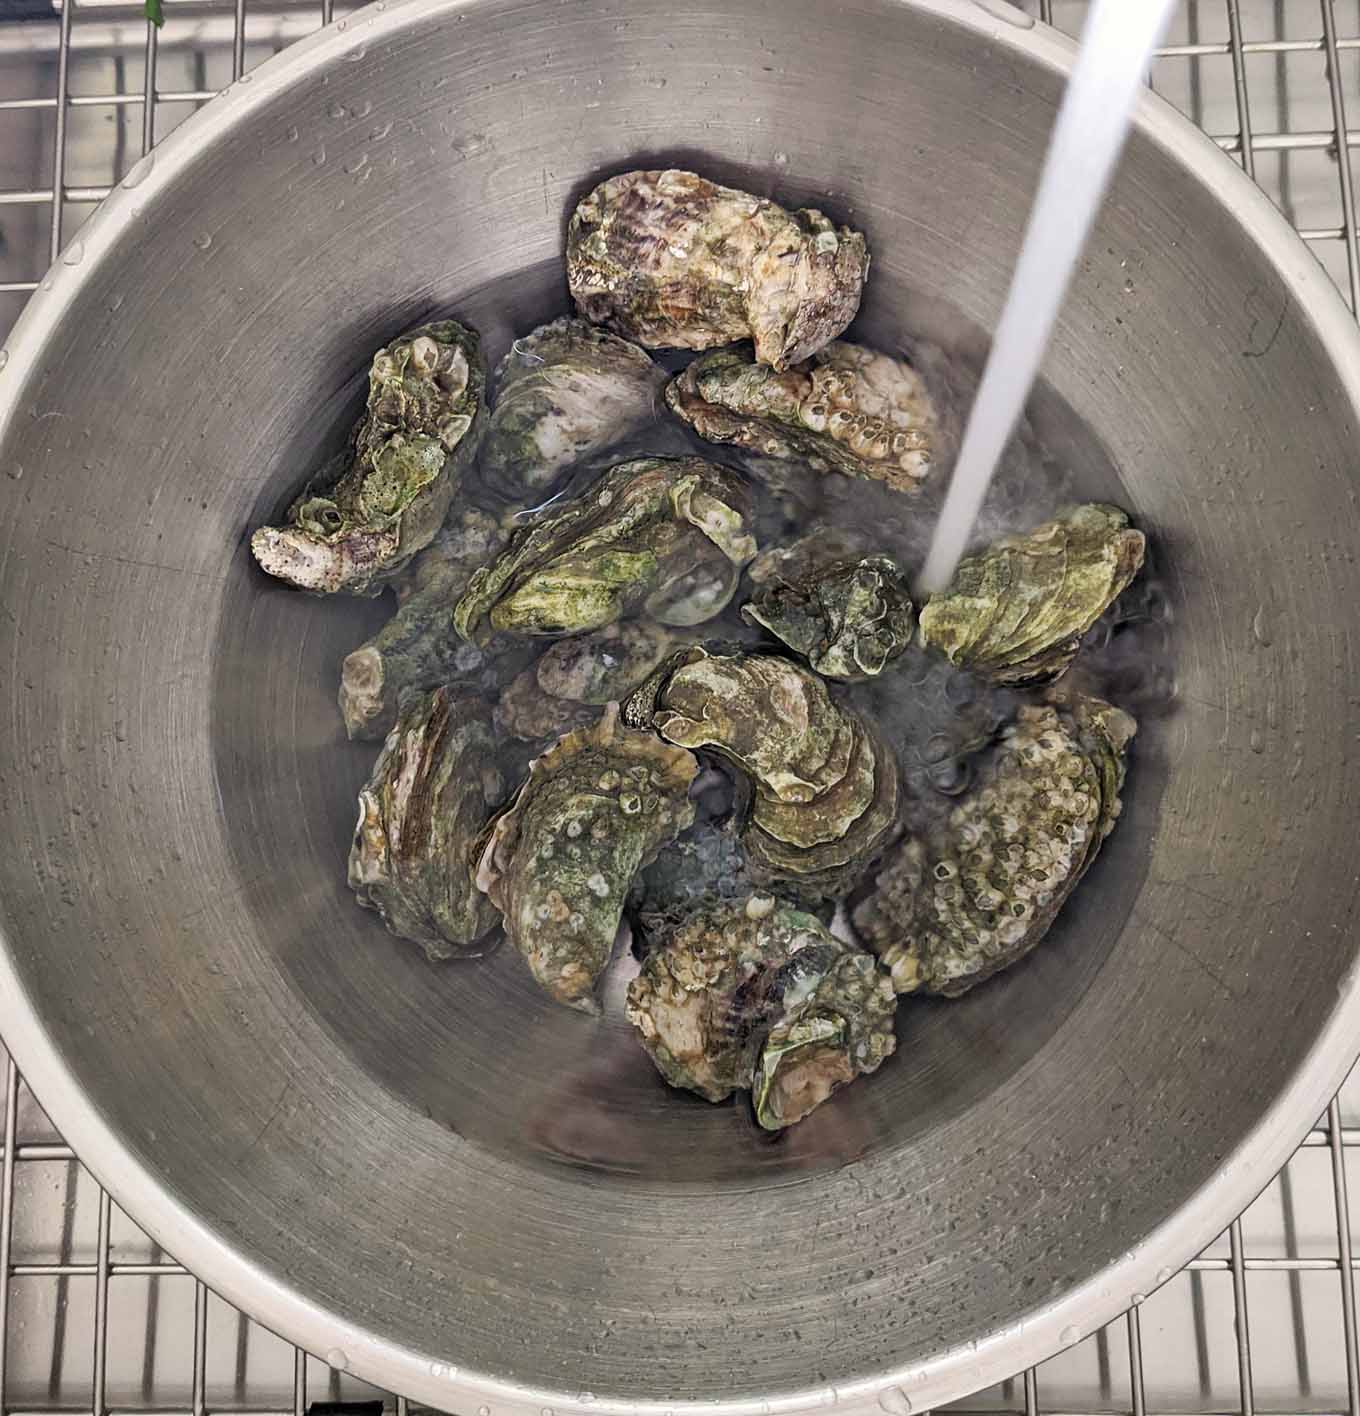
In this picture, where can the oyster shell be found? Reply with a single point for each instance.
(559, 860)
(823, 802)
(849, 410)
(952, 907)
(848, 619)
(602, 555)
(431, 793)
(672, 260)
(575, 677)
(417, 648)
(563, 393)
(759, 994)
(361, 521)
(1016, 611)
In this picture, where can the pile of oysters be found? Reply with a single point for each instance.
(635, 698)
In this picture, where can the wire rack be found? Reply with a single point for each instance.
(96, 1319)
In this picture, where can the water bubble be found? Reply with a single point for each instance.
(292, 134)
(377, 134)
(337, 1359)
(15, 471)
(781, 159)
(1070, 1336)
(336, 110)
(74, 254)
(361, 109)
(203, 240)
(116, 302)
(319, 157)
(483, 1411)
(139, 171)
(1256, 741)
(356, 164)
(894, 1401)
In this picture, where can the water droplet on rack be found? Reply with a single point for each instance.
(894, 1401)
(337, 1359)
(139, 171)
(203, 240)
(1070, 1336)
(74, 253)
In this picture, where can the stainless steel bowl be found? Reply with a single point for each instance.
(428, 1175)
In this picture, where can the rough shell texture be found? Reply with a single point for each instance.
(417, 648)
(576, 677)
(598, 557)
(1016, 612)
(563, 393)
(953, 907)
(848, 619)
(823, 783)
(672, 260)
(757, 992)
(430, 795)
(848, 410)
(559, 861)
(361, 521)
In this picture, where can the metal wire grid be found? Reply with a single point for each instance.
(117, 1255)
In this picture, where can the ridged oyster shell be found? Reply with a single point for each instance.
(361, 521)
(849, 409)
(954, 906)
(1016, 611)
(559, 860)
(673, 260)
(603, 554)
(417, 648)
(429, 797)
(564, 393)
(759, 994)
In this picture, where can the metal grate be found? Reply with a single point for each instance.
(95, 1319)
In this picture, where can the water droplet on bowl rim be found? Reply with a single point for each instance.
(1070, 1336)
(894, 1401)
(337, 1359)
(139, 171)
(74, 253)
(4, 357)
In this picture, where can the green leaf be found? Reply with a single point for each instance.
(154, 11)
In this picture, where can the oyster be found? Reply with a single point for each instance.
(673, 260)
(759, 994)
(406, 458)
(847, 619)
(849, 409)
(602, 555)
(564, 392)
(823, 802)
(431, 793)
(952, 907)
(1016, 612)
(575, 677)
(417, 648)
(559, 860)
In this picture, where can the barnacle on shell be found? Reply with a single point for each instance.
(848, 619)
(673, 260)
(952, 906)
(607, 551)
(417, 648)
(1017, 610)
(758, 994)
(849, 409)
(564, 393)
(430, 795)
(824, 784)
(559, 860)
(359, 523)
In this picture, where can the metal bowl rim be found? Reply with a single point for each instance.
(422, 1376)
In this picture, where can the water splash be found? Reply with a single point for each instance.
(1117, 46)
